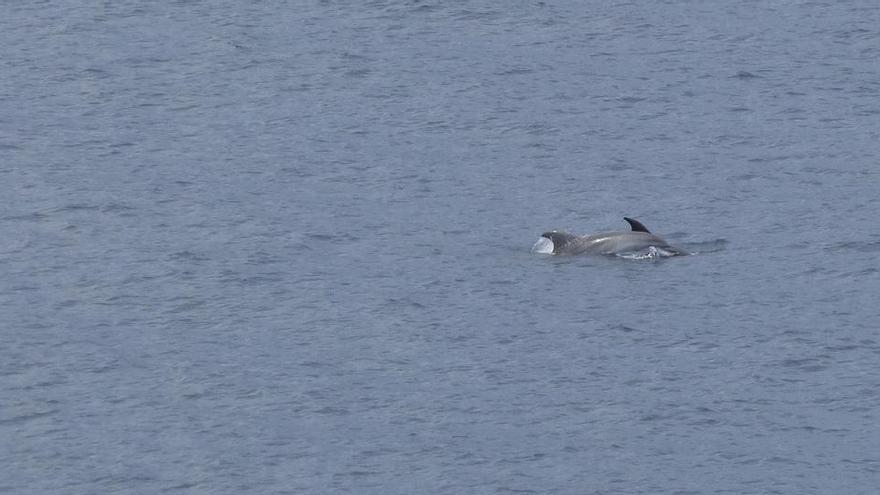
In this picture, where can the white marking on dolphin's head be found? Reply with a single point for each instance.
(544, 245)
(554, 242)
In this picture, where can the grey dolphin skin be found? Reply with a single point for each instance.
(639, 238)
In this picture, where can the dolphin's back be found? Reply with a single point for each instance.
(621, 242)
(615, 243)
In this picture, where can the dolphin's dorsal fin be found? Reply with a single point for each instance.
(636, 225)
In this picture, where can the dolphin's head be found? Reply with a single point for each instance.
(552, 242)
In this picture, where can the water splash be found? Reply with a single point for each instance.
(651, 253)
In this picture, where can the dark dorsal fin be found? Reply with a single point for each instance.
(636, 225)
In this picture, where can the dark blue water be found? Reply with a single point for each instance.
(284, 247)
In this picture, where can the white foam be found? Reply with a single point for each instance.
(652, 253)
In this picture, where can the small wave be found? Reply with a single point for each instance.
(26, 417)
(744, 74)
(862, 246)
(28, 217)
(706, 246)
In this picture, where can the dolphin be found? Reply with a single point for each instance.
(614, 243)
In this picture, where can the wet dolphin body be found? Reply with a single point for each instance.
(640, 238)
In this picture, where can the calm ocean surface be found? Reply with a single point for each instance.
(272, 247)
